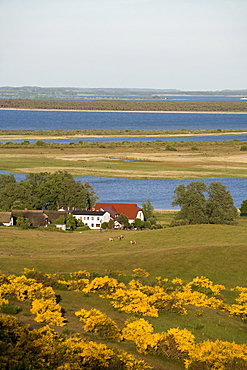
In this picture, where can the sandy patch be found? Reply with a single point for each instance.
(78, 171)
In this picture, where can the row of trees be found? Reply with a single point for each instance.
(201, 204)
(45, 191)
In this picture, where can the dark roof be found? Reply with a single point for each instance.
(36, 217)
(5, 217)
(88, 213)
(54, 215)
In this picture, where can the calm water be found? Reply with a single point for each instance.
(242, 137)
(50, 120)
(160, 192)
(108, 189)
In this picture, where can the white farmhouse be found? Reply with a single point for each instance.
(93, 219)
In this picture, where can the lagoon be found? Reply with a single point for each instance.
(131, 139)
(74, 120)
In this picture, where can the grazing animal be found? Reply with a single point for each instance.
(120, 237)
(132, 242)
(111, 239)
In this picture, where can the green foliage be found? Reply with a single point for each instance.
(138, 223)
(243, 147)
(60, 220)
(123, 105)
(83, 228)
(243, 207)
(147, 224)
(217, 208)
(9, 309)
(22, 222)
(111, 224)
(171, 148)
(192, 201)
(220, 206)
(40, 143)
(148, 209)
(104, 225)
(45, 190)
(123, 220)
(71, 222)
(6, 180)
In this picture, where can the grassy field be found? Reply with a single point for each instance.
(215, 251)
(152, 160)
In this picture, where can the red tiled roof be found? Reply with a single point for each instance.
(129, 209)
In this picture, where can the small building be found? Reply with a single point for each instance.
(130, 210)
(36, 218)
(6, 218)
(93, 219)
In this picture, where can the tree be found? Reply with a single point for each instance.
(220, 206)
(5, 180)
(123, 220)
(22, 222)
(201, 204)
(71, 222)
(148, 211)
(243, 207)
(45, 191)
(192, 201)
(138, 223)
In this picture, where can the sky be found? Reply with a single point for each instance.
(158, 44)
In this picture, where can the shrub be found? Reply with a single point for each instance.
(83, 228)
(171, 148)
(9, 309)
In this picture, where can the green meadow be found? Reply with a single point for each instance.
(217, 252)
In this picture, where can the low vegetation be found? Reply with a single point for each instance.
(171, 298)
(125, 105)
(148, 160)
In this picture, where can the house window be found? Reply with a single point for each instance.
(98, 218)
(92, 218)
(97, 225)
(92, 225)
(87, 218)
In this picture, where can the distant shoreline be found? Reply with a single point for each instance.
(118, 111)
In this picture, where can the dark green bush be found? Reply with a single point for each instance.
(9, 309)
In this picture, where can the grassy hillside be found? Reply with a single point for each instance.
(215, 251)
(183, 252)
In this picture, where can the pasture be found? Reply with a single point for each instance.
(215, 251)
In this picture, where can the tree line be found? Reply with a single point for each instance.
(45, 191)
(126, 105)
